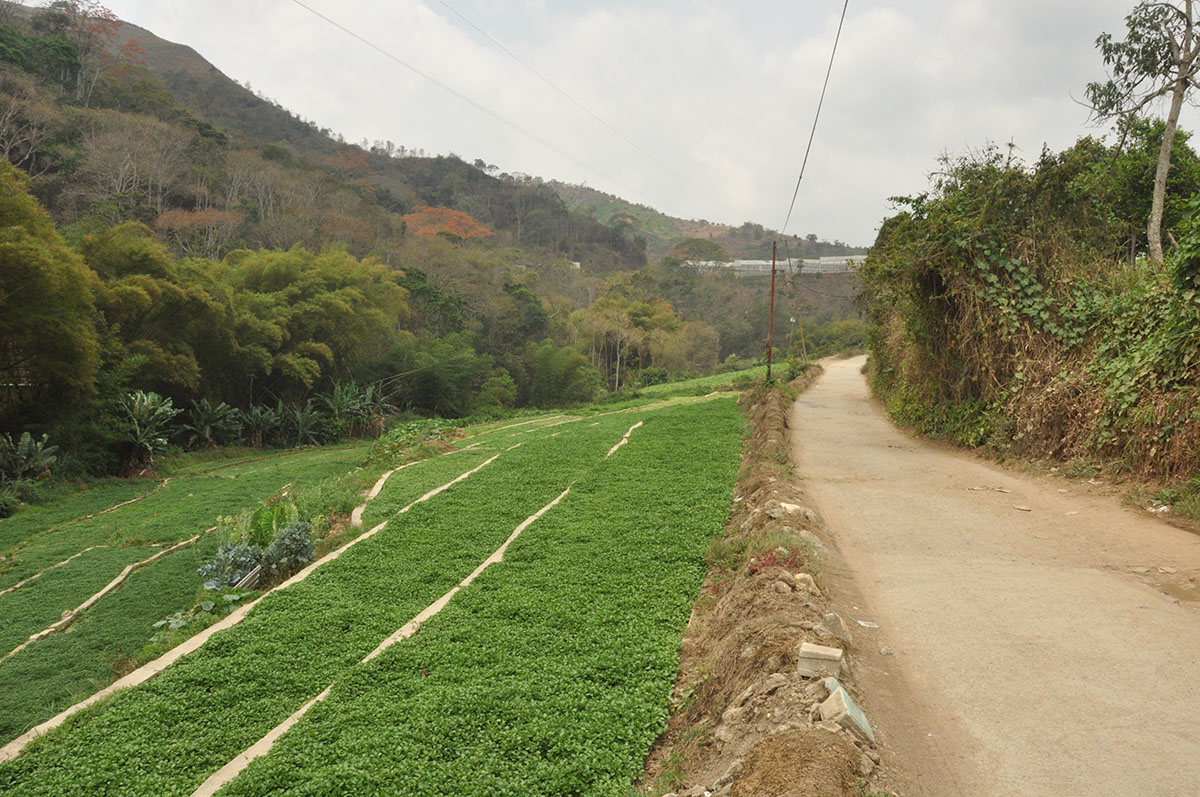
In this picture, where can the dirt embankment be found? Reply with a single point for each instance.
(745, 721)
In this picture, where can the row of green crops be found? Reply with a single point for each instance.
(168, 735)
(551, 673)
(56, 672)
(693, 387)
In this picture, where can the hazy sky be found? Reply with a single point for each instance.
(722, 93)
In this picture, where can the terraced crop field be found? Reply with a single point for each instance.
(510, 625)
(56, 557)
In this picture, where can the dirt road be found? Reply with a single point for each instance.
(1046, 639)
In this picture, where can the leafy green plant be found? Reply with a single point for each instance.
(304, 424)
(291, 550)
(147, 417)
(260, 424)
(268, 520)
(232, 562)
(212, 424)
(25, 459)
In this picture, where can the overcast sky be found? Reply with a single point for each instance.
(722, 93)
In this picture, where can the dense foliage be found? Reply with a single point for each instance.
(1009, 306)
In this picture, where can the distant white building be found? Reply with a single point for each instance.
(837, 264)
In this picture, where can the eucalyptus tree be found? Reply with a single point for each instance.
(1158, 59)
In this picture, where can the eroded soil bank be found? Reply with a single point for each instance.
(745, 721)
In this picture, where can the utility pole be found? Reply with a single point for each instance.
(771, 323)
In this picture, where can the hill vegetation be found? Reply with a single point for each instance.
(1010, 308)
(750, 241)
(175, 243)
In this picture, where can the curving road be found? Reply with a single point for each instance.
(1039, 637)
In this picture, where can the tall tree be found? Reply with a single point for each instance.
(48, 344)
(1159, 57)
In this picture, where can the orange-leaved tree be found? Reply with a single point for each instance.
(453, 224)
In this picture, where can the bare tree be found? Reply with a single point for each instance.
(1159, 58)
(9, 9)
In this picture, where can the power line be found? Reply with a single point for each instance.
(585, 109)
(816, 117)
(478, 106)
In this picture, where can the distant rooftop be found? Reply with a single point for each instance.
(836, 264)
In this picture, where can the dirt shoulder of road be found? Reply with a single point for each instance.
(744, 720)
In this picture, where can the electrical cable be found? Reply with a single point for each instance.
(478, 106)
(585, 109)
(816, 118)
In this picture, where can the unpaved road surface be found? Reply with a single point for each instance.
(1030, 653)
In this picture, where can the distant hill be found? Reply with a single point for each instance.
(749, 241)
(221, 101)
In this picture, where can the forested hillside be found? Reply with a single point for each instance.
(749, 241)
(181, 249)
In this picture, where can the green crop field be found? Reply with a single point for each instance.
(695, 387)
(550, 674)
(55, 672)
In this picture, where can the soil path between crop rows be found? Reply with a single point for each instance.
(1040, 639)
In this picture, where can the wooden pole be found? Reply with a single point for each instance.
(771, 323)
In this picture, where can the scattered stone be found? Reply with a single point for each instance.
(782, 587)
(1168, 570)
(812, 539)
(865, 765)
(817, 691)
(782, 553)
(840, 708)
(805, 581)
(886, 652)
(867, 624)
(735, 714)
(1140, 569)
(832, 727)
(837, 628)
(733, 773)
(746, 694)
(1021, 508)
(774, 683)
(813, 660)
(873, 754)
(695, 791)
(787, 578)
(724, 734)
